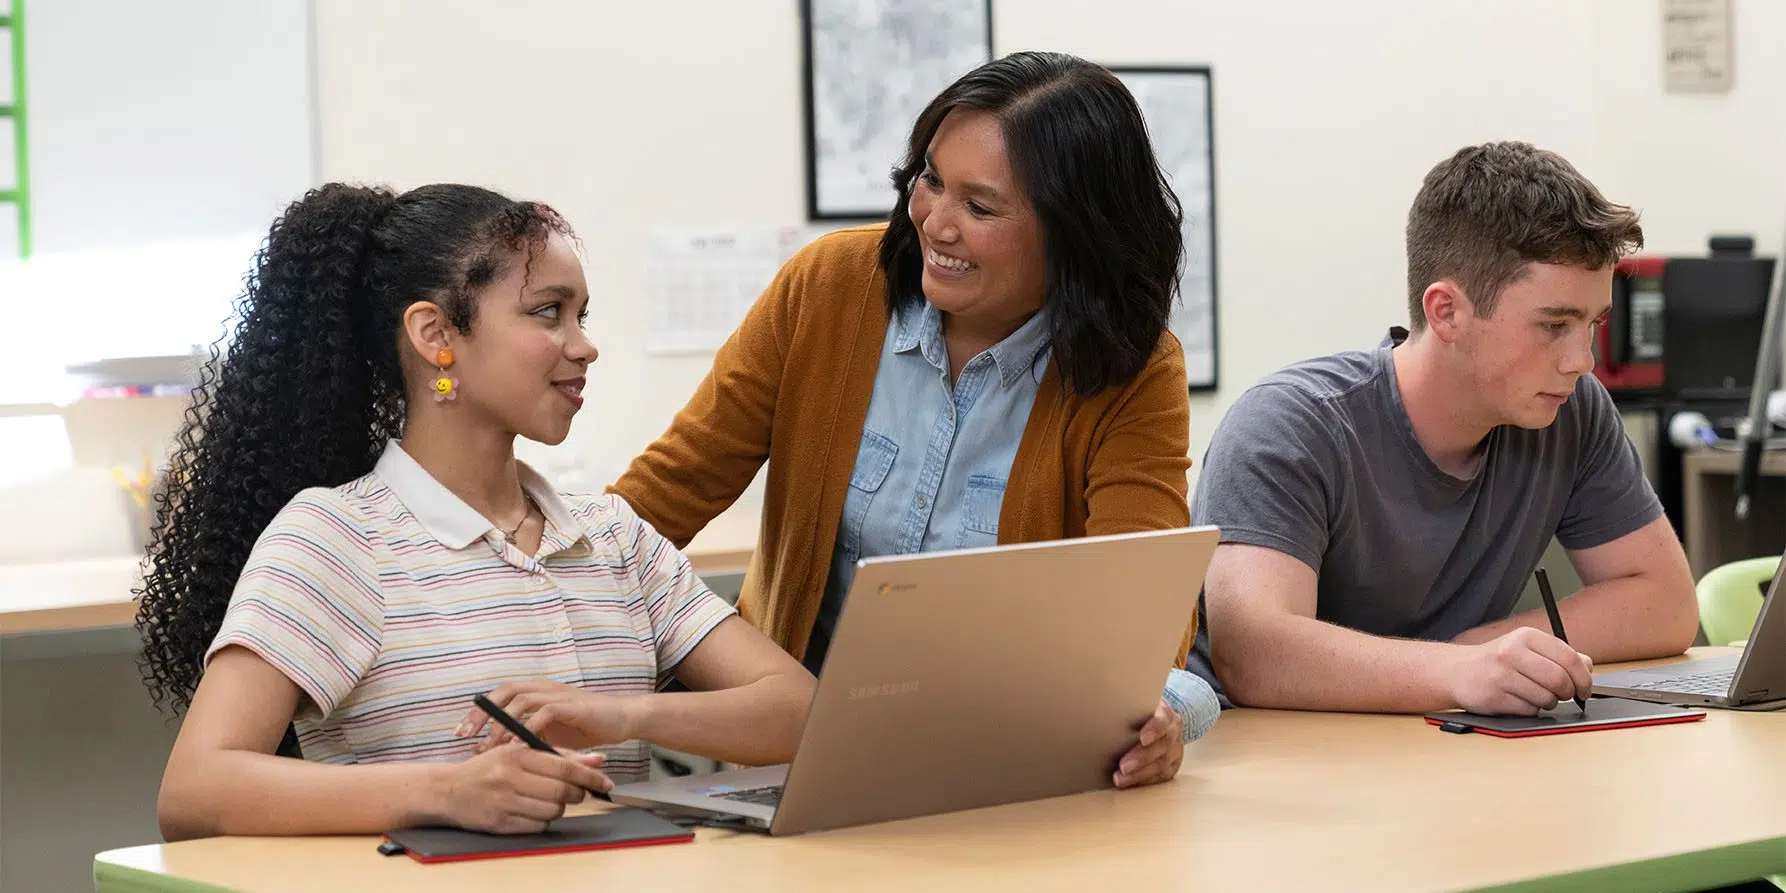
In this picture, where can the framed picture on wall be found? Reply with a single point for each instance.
(871, 67)
(1177, 102)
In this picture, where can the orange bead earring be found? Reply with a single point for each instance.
(445, 387)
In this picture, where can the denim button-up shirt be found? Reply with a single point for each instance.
(934, 460)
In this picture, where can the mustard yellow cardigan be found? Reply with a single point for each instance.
(791, 387)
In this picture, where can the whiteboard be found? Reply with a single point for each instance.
(157, 132)
(154, 121)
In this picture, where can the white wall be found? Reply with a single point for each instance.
(1693, 164)
(621, 115)
(627, 115)
(1327, 117)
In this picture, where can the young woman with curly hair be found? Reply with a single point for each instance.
(349, 550)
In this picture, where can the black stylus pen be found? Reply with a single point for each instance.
(525, 734)
(1556, 621)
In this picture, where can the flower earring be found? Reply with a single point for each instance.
(445, 387)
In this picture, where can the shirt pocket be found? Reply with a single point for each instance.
(980, 506)
(874, 459)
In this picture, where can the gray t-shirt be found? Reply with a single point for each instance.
(1319, 461)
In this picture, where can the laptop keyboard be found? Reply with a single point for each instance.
(1715, 683)
(765, 796)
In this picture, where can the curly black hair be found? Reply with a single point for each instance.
(308, 388)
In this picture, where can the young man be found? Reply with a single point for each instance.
(1381, 511)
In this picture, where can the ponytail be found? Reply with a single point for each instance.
(296, 402)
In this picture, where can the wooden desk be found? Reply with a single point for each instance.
(1713, 535)
(75, 595)
(1268, 801)
(67, 595)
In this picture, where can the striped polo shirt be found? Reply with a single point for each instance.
(390, 602)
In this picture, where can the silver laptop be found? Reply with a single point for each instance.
(1754, 677)
(971, 678)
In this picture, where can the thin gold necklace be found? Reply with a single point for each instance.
(511, 532)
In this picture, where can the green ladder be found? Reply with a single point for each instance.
(19, 196)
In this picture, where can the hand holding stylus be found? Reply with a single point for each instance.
(1521, 673)
(1556, 629)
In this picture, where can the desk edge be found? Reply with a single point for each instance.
(1691, 870)
(112, 877)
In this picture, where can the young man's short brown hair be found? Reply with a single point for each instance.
(1487, 211)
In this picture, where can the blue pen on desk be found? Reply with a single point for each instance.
(524, 733)
(1556, 621)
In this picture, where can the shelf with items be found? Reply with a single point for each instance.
(50, 385)
(122, 392)
(173, 375)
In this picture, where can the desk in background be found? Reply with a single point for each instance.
(1711, 532)
(70, 596)
(1270, 800)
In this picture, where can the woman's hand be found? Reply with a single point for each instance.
(563, 715)
(515, 789)
(1157, 756)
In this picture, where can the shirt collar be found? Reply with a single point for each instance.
(919, 326)
(1021, 351)
(448, 519)
(915, 323)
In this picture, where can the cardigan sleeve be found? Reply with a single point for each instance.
(1136, 479)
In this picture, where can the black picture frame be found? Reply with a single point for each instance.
(1202, 345)
(835, 192)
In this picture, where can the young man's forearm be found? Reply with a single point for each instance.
(1301, 663)
(1628, 618)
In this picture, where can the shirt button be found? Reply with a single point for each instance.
(923, 503)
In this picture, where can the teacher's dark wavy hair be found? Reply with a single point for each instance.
(1110, 221)
(309, 388)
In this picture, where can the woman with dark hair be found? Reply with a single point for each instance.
(990, 366)
(350, 549)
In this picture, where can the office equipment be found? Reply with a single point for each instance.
(1712, 308)
(1684, 327)
(1754, 677)
(1628, 348)
(601, 831)
(1609, 713)
(974, 677)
